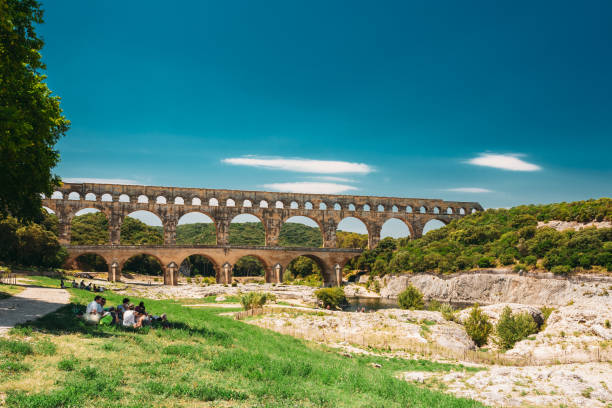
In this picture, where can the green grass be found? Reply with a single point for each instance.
(204, 357)
(6, 291)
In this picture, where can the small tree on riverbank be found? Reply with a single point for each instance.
(411, 298)
(477, 326)
(513, 328)
(254, 300)
(333, 298)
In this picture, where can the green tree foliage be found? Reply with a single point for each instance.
(144, 265)
(31, 120)
(334, 298)
(91, 263)
(411, 298)
(512, 328)
(30, 244)
(248, 266)
(247, 233)
(477, 326)
(299, 235)
(196, 234)
(502, 237)
(351, 240)
(89, 229)
(196, 265)
(136, 232)
(303, 266)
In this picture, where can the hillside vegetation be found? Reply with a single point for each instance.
(503, 237)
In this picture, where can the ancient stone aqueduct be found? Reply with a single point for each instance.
(273, 209)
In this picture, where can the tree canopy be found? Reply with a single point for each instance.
(31, 120)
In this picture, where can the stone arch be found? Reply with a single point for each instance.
(409, 209)
(179, 201)
(142, 199)
(337, 207)
(366, 207)
(263, 204)
(250, 265)
(106, 197)
(200, 233)
(351, 207)
(433, 224)
(294, 205)
(279, 204)
(473, 211)
(161, 200)
(355, 225)
(188, 261)
(124, 198)
(196, 201)
(380, 208)
(394, 209)
(213, 202)
(322, 206)
(436, 210)
(256, 236)
(89, 262)
(142, 264)
(57, 195)
(290, 234)
(142, 227)
(327, 273)
(247, 203)
(230, 202)
(90, 197)
(91, 227)
(308, 205)
(462, 211)
(303, 267)
(396, 228)
(449, 210)
(47, 209)
(423, 209)
(74, 196)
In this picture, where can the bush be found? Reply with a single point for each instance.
(332, 297)
(477, 326)
(561, 270)
(254, 300)
(411, 298)
(512, 328)
(519, 267)
(531, 260)
(486, 262)
(448, 312)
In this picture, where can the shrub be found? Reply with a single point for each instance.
(607, 324)
(411, 298)
(561, 269)
(512, 328)
(486, 262)
(477, 326)
(253, 300)
(68, 364)
(519, 267)
(448, 312)
(531, 260)
(332, 297)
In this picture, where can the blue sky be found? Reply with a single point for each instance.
(503, 103)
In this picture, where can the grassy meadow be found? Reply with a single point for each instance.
(204, 360)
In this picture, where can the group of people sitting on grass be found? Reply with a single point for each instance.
(90, 287)
(125, 314)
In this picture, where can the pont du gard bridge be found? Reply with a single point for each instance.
(273, 209)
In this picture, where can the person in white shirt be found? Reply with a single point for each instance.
(94, 311)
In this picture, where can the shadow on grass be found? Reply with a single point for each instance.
(65, 321)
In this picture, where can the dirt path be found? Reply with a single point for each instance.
(30, 304)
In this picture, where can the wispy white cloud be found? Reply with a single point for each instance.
(302, 165)
(469, 190)
(333, 178)
(98, 180)
(310, 187)
(503, 161)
